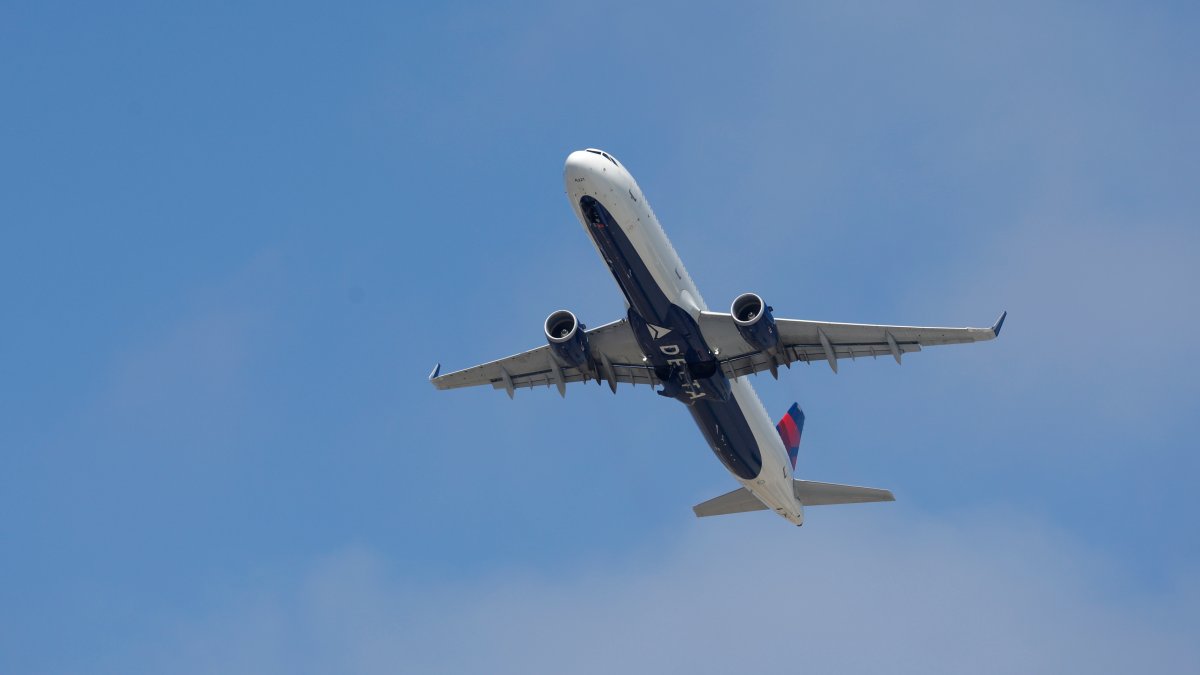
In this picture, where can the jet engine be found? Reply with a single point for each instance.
(568, 339)
(754, 322)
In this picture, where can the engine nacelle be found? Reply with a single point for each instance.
(568, 339)
(754, 322)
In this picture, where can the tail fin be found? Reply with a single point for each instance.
(790, 428)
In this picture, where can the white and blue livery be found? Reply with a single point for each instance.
(669, 340)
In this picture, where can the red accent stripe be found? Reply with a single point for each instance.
(788, 432)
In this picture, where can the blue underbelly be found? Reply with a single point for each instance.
(675, 347)
(728, 433)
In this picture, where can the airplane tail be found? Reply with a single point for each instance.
(790, 428)
(807, 492)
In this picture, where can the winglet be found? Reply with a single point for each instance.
(436, 371)
(999, 324)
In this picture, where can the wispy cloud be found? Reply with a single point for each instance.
(981, 592)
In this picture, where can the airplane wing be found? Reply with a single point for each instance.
(618, 357)
(826, 341)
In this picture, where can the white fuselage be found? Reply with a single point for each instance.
(595, 174)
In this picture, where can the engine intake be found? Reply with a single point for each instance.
(568, 339)
(754, 322)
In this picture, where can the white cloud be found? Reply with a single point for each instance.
(857, 591)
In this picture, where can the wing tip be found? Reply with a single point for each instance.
(437, 370)
(999, 324)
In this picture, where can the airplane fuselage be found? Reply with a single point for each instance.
(664, 308)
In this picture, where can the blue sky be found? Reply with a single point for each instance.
(237, 237)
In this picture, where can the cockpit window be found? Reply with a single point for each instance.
(603, 154)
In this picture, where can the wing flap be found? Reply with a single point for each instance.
(625, 374)
(536, 367)
(794, 331)
(756, 362)
(827, 341)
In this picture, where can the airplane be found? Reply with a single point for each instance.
(670, 340)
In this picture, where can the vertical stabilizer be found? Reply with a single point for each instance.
(790, 428)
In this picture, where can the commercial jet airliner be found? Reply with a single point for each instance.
(669, 340)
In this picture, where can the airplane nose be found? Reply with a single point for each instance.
(580, 164)
(577, 162)
(592, 164)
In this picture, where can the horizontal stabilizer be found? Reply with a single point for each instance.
(738, 501)
(812, 493)
(809, 492)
